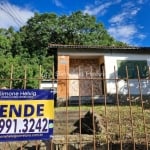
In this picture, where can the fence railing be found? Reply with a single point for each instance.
(88, 120)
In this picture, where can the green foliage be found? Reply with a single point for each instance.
(78, 28)
(27, 48)
(15, 69)
(6, 37)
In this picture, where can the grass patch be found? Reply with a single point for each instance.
(119, 122)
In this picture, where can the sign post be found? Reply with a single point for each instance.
(26, 115)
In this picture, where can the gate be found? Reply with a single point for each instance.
(118, 121)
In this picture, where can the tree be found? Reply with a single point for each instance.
(78, 28)
(37, 33)
(6, 38)
(27, 48)
(15, 70)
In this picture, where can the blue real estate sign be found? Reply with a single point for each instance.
(26, 115)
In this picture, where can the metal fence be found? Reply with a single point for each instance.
(94, 124)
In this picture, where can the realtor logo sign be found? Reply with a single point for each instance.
(26, 115)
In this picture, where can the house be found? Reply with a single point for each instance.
(94, 71)
(48, 84)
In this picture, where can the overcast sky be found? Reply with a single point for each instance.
(126, 20)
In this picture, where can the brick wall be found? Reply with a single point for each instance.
(62, 75)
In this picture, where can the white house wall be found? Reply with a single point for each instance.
(121, 85)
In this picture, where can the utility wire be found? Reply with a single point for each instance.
(11, 15)
(15, 14)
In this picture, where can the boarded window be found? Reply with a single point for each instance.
(132, 68)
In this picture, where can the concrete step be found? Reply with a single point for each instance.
(64, 122)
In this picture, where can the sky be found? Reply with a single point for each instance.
(125, 20)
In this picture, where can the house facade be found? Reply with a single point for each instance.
(85, 71)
